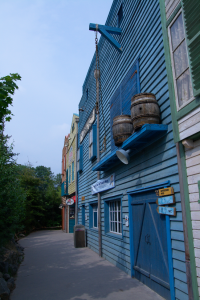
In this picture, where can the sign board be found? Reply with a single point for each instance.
(166, 200)
(165, 192)
(70, 154)
(83, 198)
(171, 211)
(87, 126)
(126, 221)
(103, 185)
(70, 201)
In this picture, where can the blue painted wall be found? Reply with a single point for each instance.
(141, 35)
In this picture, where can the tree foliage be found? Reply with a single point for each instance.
(29, 197)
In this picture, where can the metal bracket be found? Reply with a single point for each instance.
(105, 31)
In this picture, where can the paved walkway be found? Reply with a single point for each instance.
(54, 270)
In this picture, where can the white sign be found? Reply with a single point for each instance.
(87, 126)
(126, 220)
(103, 185)
(69, 201)
(166, 200)
(166, 210)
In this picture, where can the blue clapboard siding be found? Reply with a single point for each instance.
(141, 36)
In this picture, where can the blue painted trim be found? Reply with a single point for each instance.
(170, 261)
(149, 187)
(94, 133)
(81, 159)
(91, 203)
(105, 32)
(83, 214)
(106, 217)
(148, 134)
(131, 235)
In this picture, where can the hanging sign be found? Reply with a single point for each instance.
(83, 198)
(171, 211)
(70, 201)
(166, 200)
(165, 192)
(87, 126)
(103, 185)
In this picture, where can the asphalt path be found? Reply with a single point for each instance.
(54, 270)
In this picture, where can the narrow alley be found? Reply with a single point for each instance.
(54, 270)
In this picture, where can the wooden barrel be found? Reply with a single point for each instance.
(122, 128)
(144, 110)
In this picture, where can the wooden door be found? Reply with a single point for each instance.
(150, 244)
(71, 218)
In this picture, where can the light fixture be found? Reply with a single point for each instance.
(123, 155)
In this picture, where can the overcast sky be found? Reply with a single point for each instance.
(49, 44)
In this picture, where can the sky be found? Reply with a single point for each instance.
(49, 44)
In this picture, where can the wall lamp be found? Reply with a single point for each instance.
(123, 155)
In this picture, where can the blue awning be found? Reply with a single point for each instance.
(147, 135)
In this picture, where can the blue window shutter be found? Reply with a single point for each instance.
(94, 132)
(120, 102)
(81, 157)
(115, 110)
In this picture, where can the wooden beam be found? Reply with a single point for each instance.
(105, 32)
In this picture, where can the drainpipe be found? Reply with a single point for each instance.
(96, 75)
(185, 231)
(76, 177)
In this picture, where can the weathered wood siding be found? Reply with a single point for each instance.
(190, 124)
(193, 174)
(141, 35)
(170, 6)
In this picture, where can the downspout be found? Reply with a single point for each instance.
(76, 176)
(96, 75)
(185, 231)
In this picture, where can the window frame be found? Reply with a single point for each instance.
(91, 215)
(108, 232)
(92, 145)
(173, 63)
(117, 221)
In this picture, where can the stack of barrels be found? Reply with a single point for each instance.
(144, 110)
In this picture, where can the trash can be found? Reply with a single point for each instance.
(79, 236)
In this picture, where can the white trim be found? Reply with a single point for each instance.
(115, 221)
(194, 112)
(172, 62)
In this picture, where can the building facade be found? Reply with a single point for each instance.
(69, 177)
(181, 31)
(134, 236)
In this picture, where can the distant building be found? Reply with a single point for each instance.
(69, 178)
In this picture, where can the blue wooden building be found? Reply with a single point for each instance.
(135, 238)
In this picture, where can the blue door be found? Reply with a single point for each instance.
(71, 218)
(83, 215)
(150, 244)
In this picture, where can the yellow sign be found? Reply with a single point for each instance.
(165, 192)
(83, 198)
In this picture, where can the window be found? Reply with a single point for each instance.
(93, 215)
(73, 171)
(69, 174)
(120, 15)
(80, 159)
(115, 221)
(180, 64)
(93, 142)
(90, 143)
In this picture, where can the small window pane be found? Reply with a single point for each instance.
(95, 219)
(180, 59)
(184, 88)
(177, 32)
